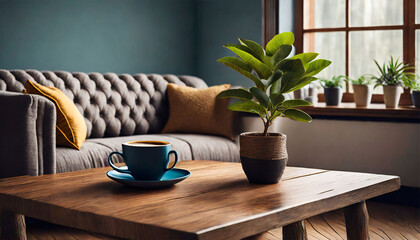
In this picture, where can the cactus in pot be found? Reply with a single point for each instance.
(390, 77)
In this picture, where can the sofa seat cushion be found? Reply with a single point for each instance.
(90, 155)
(115, 143)
(188, 146)
(94, 152)
(210, 147)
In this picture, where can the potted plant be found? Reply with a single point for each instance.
(390, 78)
(362, 90)
(333, 91)
(264, 155)
(413, 83)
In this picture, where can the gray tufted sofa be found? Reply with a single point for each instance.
(117, 109)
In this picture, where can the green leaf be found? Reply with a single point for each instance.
(255, 47)
(287, 65)
(301, 83)
(282, 53)
(239, 93)
(260, 95)
(275, 114)
(297, 115)
(262, 70)
(242, 67)
(295, 103)
(292, 76)
(275, 87)
(335, 81)
(239, 63)
(276, 99)
(248, 106)
(276, 76)
(286, 38)
(306, 58)
(289, 81)
(268, 61)
(241, 47)
(316, 66)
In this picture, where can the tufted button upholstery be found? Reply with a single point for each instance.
(113, 105)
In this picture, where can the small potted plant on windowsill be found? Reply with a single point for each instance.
(413, 83)
(390, 78)
(264, 155)
(362, 90)
(333, 91)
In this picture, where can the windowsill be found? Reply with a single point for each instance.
(375, 111)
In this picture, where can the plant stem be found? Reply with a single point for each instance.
(266, 125)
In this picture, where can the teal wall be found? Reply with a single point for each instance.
(127, 36)
(221, 22)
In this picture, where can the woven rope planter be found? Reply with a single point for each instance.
(263, 158)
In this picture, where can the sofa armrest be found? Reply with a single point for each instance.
(27, 135)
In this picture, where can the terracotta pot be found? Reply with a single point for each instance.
(263, 158)
(333, 96)
(406, 99)
(415, 96)
(362, 95)
(392, 96)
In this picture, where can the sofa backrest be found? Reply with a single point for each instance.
(112, 104)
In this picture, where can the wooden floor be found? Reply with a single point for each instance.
(386, 222)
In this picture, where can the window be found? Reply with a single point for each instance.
(352, 33)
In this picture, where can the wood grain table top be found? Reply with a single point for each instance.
(215, 202)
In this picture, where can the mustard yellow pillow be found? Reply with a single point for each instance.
(193, 110)
(71, 126)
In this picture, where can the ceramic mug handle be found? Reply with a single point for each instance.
(176, 159)
(115, 167)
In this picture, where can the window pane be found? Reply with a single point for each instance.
(376, 12)
(318, 14)
(331, 46)
(417, 51)
(368, 45)
(417, 11)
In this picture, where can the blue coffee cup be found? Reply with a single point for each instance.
(146, 160)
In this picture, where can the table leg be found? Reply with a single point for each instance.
(357, 221)
(295, 231)
(12, 226)
(260, 236)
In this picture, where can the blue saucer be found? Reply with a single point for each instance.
(169, 178)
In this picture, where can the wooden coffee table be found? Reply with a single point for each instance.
(215, 202)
